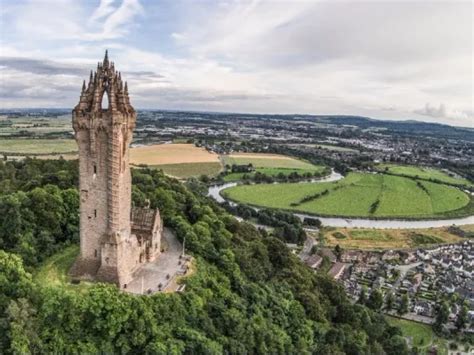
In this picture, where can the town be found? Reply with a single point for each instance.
(413, 282)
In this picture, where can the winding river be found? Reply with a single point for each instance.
(214, 192)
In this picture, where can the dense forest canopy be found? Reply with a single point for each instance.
(249, 294)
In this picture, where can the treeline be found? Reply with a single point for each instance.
(288, 227)
(38, 207)
(240, 168)
(293, 176)
(373, 207)
(249, 295)
(436, 181)
(309, 198)
(422, 187)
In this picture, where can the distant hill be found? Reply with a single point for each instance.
(407, 127)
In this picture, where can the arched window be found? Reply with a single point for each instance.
(105, 101)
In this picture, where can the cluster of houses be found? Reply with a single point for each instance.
(425, 275)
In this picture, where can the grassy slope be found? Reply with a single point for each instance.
(423, 173)
(399, 197)
(54, 271)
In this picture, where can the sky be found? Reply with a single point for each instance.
(382, 59)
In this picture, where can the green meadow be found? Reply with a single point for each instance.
(424, 173)
(269, 164)
(358, 195)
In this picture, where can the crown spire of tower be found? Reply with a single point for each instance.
(106, 58)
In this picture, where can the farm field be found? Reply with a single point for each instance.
(178, 160)
(20, 146)
(269, 164)
(39, 126)
(261, 160)
(187, 170)
(423, 173)
(357, 195)
(160, 154)
(381, 239)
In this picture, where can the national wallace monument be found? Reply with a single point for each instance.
(116, 239)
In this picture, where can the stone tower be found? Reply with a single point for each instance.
(103, 123)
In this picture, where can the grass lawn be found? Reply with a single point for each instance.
(187, 170)
(423, 173)
(421, 335)
(381, 239)
(37, 146)
(54, 271)
(355, 196)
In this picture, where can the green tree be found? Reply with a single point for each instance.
(442, 315)
(462, 317)
(396, 346)
(404, 304)
(389, 301)
(375, 301)
(363, 296)
(22, 328)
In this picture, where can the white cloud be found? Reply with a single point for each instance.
(116, 25)
(443, 112)
(380, 59)
(67, 20)
(105, 8)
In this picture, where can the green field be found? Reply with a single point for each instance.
(38, 126)
(420, 335)
(267, 161)
(356, 195)
(423, 173)
(187, 170)
(269, 164)
(274, 172)
(37, 146)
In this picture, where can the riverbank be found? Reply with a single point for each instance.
(356, 222)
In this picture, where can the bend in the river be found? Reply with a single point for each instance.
(214, 192)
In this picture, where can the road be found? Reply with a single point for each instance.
(308, 245)
(161, 271)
